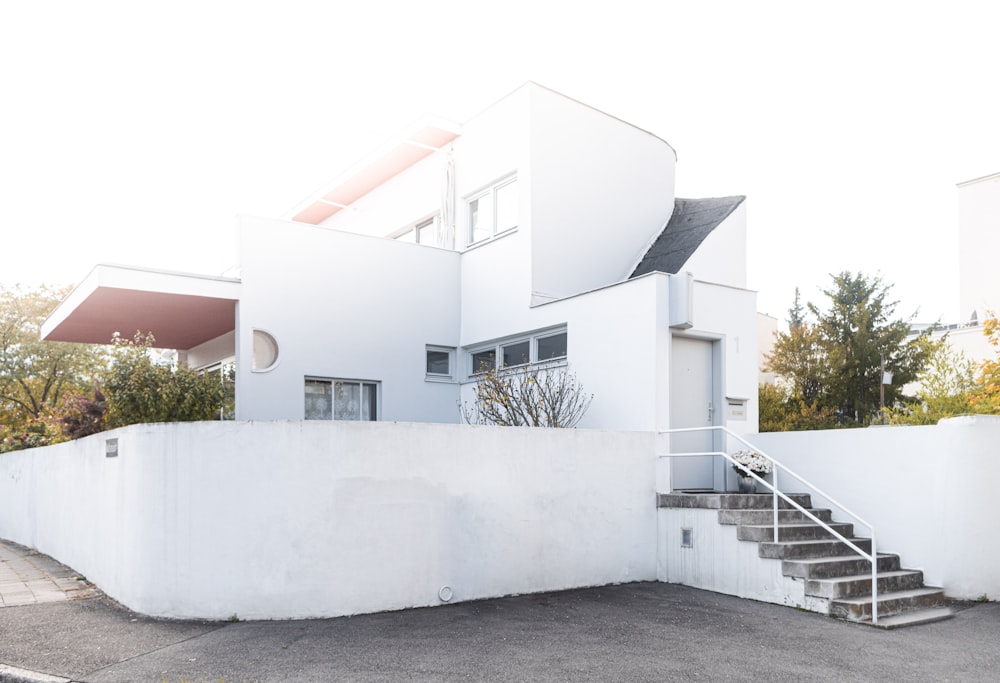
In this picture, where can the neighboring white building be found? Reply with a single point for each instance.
(542, 230)
(978, 285)
(978, 245)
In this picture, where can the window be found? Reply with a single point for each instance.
(425, 232)
(265, 351)
(341, 399)
(226, 372)
(493, 211)
(551, 346)
(541, 347)
(440, 362)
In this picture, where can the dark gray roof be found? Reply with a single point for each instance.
(692, 221)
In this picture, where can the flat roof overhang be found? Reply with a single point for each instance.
(425, 137)
(181, 310)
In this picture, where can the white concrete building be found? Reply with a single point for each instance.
(540, 231)
(979, 242)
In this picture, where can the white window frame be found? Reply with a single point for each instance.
(491, 229)
(413, 231)
(436, 376)
(496, 347)
(361, 382)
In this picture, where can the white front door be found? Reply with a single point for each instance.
(692, 397)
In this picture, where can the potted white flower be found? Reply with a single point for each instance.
(747, 461)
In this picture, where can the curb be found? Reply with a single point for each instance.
(11, 674)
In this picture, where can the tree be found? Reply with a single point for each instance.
(140, 390)
(946, 387)
(35, 374)
(985, 394)
(858, 332)
(527, 396)
(836, 362)
(799, 357)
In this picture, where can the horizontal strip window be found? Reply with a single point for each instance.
(552, 345)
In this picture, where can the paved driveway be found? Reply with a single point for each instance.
(631, 632)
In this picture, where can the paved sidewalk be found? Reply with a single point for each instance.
(632, 632)
(27, 578)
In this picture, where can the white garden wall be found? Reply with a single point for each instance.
(929, 491)
(314, 519)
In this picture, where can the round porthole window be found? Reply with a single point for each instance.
(265, 351)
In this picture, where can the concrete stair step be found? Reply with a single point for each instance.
(861, 585)
(832, 567)
(764, 517)
(793, 550)
(729, 501)
(889, 604)
(914, 618)
(793, 532)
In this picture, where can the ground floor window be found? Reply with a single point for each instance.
(440, 360)
(550, 345)
(341, 399)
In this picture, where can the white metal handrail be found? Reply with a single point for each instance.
(775, 465)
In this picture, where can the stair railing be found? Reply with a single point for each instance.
(775, 467)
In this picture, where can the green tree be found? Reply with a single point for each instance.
(946, 387)
(858, 331)
(140, 390)
(834, 364)
(985, 394)
(799, 357)
(36, 374)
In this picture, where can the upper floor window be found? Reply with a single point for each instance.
(493, 211)
(550, 345)
(424, 232)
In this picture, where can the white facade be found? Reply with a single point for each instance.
(979, 242)
(566, 201)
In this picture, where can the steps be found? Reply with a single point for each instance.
(832, 577)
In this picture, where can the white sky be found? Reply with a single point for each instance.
(135, 133)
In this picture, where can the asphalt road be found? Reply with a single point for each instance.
(631, 632)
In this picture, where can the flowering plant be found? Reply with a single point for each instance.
(750, 461)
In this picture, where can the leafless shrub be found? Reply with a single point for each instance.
(527, 396)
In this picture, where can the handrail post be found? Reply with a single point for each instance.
(874, 580)
(774, 496)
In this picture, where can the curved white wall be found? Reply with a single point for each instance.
(312, 519)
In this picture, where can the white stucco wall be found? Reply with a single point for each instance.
(718, 561)
(316, 519)
(729, 315)
(928, 490)
(344, 306)
(601, 191)
(722, 257)
(979, 241)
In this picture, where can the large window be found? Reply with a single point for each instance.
(493, 211)
(540, 347)
(341, 399)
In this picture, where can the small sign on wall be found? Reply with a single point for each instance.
(736, 408)
(111, 448)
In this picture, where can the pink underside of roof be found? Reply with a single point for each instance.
(177, 321)
(395, 162)
(377, 171)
